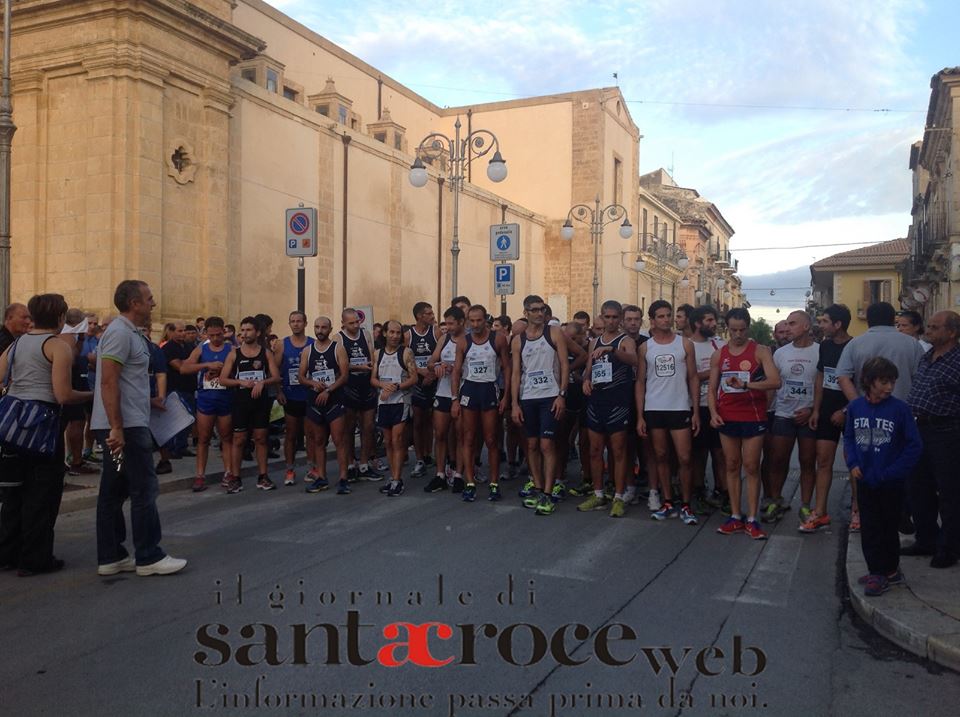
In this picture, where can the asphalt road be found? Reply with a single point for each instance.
(766, 623)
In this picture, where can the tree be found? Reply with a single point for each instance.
(761, 332)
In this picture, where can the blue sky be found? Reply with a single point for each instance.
(716, 88)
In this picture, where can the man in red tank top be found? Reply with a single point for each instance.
(740, 374)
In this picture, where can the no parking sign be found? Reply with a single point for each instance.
(301, 231)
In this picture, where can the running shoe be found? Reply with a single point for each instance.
(225, 481)
(893, 579)
(395, 488)
(378, 466)
(532, 500)
(618, 509)
(479, 476)
(715, 499)
(855, 521)
(876, 585)
(559, 491)
(528, 489)
(752, 528)
(264, 483)
(630, 495)
(438, 484)
(665, 512)
(470, 493)
(199, 484)
(585, 488)
(687, 515)
(289, 477)
(814, 522)
(653, 501)
(545, 506)
(731, 526)
(385, 488)
(235, 485)
(772, 513)
(700, 506)
(82, 469)
(319, 483)
(594, 502)
(804, 514)
(419, 470)
(311, 476)
(343, 487)
(494, 492)
(458, 484)
(89, 456)
(353, 472)
(368, 473)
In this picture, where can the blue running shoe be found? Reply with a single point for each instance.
(494, 492)
(318, 485)
(528, 489)
(666, 511)
(470, 493)
(343, 488)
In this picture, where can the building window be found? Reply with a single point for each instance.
(644, 232)
(397, 140)
(249, 73)
(323, 110)
(343, 114)
(290, 93)
(380, 137)
(353, 123)
(273, 80)
(656, 227)
(617, 181)
(874, 291)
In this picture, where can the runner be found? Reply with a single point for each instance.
(738, 405)
(446, 432)
(638, 450)
(539, 399)
(572, 425)
(682, 320)
(608, 377)
(359, 397)
(422, 339)
(250, 370)
(829, 408)
(481, 356)
(292, 395)
(797, 365)
(667, 388)
(324, 368)
(396, 373)
(706, 444)
(214, 402)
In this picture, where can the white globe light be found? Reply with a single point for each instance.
(497, 169)
(639, 264)
(626, 230)
(684, 282)
(566, 232)
(418, 174)
(683, 263)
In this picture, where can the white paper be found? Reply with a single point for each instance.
(164, 425)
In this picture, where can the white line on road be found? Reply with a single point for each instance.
(770, 579)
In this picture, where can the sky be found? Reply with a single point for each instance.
(794, 118)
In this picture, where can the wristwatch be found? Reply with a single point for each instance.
(563, 393)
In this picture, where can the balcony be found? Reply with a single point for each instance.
(722, 258)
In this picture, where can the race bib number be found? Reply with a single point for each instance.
(479, 371)
(212, 384)
(324, 376)
(293, 376)
(250, 376)
(422, 361)
(359, 361)
(601, 372)
(704, 387)
(831, 379)
(798, 389)
(539, 380)
(725, 377)
(665, 365)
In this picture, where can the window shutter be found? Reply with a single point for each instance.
(885, 292)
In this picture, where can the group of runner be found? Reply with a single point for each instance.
(649, 407)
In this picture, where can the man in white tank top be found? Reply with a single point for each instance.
(667, 388)
(539, 398)
(797, 364)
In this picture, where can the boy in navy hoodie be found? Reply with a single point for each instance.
(881, 445)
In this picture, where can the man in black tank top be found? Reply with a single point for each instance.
(250, 371)
(359, 397)
(422, 338)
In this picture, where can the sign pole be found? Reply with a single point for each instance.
(301, 286)
(503, 301)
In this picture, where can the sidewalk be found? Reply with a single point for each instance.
(922, 617)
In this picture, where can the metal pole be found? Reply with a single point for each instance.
(596, 231)
(456, 160)
(7, 129)
(301, 286)
(503, 220)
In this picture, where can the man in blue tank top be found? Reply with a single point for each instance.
(292, 395)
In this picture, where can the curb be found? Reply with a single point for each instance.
(904, 618)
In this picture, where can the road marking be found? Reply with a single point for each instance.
(582, 563)
(770, 580)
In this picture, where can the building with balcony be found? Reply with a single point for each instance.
(858, 278)
(932, 275)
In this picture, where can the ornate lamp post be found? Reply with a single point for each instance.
(597, 219)
(462, 151)
(7, 128)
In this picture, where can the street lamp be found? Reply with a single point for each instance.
(665, 255)
(7, 129)
(459, 148)
(598, 219)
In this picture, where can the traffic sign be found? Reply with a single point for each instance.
(504, 242)
(503, 279)
(301, 231)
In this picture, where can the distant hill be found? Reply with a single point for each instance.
(790, 287)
